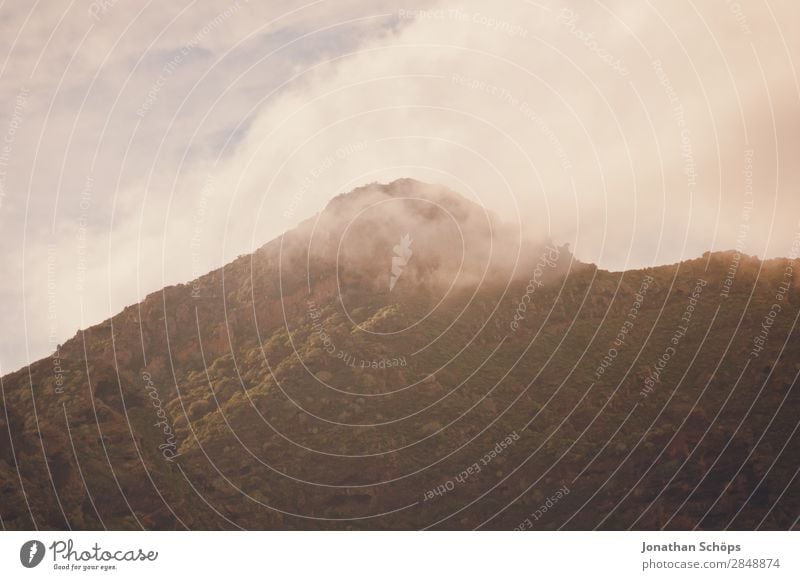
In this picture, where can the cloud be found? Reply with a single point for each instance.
(157, 143)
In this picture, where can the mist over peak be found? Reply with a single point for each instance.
(406, 187)
(449, 241)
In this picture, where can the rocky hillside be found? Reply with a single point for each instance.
(406, 360)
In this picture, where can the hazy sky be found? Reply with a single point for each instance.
(142, 144)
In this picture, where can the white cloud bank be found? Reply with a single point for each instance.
(145, 145)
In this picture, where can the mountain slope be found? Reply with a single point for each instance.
(406, 360)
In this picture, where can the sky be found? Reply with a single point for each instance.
(144, 144)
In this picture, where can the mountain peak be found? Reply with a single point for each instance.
(455, 241)
(404, 188)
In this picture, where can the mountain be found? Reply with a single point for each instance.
(407, 360)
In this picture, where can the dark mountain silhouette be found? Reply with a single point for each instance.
(407, 360)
